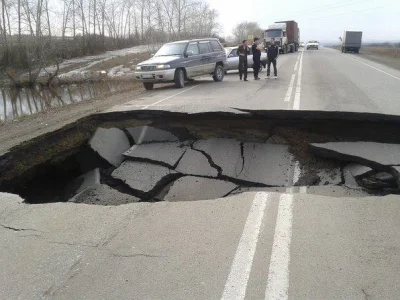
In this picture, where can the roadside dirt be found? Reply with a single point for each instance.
(26, 128)
(389, 57)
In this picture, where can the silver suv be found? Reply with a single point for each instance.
(180, 61)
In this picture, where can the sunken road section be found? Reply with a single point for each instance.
(121, 157)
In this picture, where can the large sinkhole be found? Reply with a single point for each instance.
(116, 158)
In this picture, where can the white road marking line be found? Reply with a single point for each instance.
(303, 190)
(140, 139)
(142, 134)
(295, 66)
(160, 105)
(296, 172)
(379, 70)
(296, 102)
(278, 276)
(290, 89)
(155, 103)
(236, 284)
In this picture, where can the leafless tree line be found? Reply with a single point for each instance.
(33, 31)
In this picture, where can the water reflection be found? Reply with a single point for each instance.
(15, 103)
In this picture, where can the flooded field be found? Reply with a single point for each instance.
(16, 103)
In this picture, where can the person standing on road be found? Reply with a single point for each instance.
(242, 52)
(272, 55)
(256, 57)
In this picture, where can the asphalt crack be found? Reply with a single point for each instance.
(210, 160)
(19, 229)
(242, 155)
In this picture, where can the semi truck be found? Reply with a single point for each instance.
(286, 35)
(351, 41)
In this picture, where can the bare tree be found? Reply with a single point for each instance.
(244, 29)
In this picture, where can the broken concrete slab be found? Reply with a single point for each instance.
(167, 154)
(143, 177)
(349, 179)
(110, 144)
(396, 171)
(224, 153)
(357, 170)
(385, 177)
(102, 194)
(267, 164)
(191, 188)
(196, 163)
(148, 134)
(82, 183)
(366, 153)
(330, 177)
(373, 183)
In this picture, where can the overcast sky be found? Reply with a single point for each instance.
(323, 20)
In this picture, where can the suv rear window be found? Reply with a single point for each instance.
(216, 46)
(205, 47)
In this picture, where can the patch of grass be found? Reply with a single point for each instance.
(127, 61)
(386, 55)
(393, 52)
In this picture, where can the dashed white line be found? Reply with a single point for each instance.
(303, 190)
(296, 102)
(155, 103)
(290, 89)
(379, 70)
(295, 66)
(278, 276)
(296, 172)
(235, 287)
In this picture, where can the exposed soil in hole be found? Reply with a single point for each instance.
(115, 158)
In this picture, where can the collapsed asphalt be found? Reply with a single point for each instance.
(117, 158)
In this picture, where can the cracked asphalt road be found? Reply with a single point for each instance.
(254, 245)
(244, 245)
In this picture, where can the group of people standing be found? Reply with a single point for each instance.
(256, 48)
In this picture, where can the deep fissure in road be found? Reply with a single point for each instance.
(116, 158)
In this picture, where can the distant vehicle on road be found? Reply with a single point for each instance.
(312, 45)
(351, 41)
(302, 44)
(286, 35)
(233, 59)
(180, 61)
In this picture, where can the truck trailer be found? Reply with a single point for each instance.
(351, 41)
(286, 35)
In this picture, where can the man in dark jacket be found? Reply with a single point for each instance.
(272, 55)
(242, 52)
(256, 57)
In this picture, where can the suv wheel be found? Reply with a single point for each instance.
(179, 78)
(219, 73)
(148, 85)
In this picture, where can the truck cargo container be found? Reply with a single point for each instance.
(351, 41)
(286, 35)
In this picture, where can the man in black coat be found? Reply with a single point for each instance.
(256, 57)
(242, 52)
(272, 55)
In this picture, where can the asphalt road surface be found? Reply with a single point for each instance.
(324, 79)
(255, 245)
